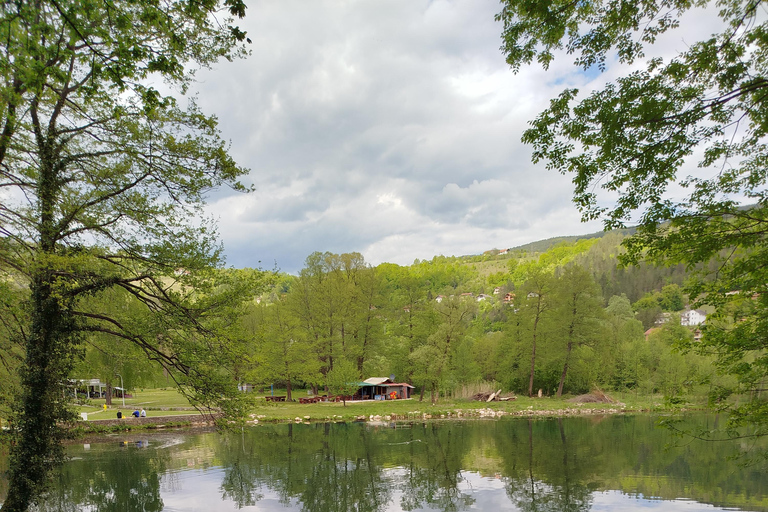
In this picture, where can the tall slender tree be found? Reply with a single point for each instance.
(535, 308)
(578, 308)
(433, 359)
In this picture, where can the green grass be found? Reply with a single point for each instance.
(169, 402)
(156, 402)
(288, 411)
(95, 413)
(167, 397)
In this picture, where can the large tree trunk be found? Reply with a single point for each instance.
(288, 390)
(533, 367)
(533, 358)
(568, 352)
(37, 432)
(108, 394)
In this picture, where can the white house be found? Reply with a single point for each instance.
(692, 317)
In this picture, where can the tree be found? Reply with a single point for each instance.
(411, 312)
(343, 380)
(335, 301)
(579, 308)
(282, 353)
(432, 360)
(623, 329)
(101, 174)
(639, 134)
(648, 310)
(672, 298)
(534, 308)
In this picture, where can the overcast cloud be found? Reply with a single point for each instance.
(391, 128)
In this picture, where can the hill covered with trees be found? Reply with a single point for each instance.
(562, 316)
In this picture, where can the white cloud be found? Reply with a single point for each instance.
(389, 128)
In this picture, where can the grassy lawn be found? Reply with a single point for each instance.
(282, 411)
(162, 402)
(156, 402)
(154, 398)
(111, 414)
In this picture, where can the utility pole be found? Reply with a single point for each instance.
(122, 388)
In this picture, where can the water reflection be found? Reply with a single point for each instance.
(563, 492)
(572, 464)
(126, 478)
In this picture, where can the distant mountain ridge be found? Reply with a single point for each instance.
(548, 243)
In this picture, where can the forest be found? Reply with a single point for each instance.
(563, 319)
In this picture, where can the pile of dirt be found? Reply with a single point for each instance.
(597, 396)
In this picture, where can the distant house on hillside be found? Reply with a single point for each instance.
(439, 299)
(651, 331)
(483, 296)
(692, 317)
(509, 298)
(504, 251)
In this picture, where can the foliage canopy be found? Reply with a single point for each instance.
(635, 137)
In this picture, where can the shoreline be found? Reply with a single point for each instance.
(479, 413)
(83, 429)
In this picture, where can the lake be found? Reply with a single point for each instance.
(599, 463)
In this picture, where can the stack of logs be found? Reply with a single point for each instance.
(492, 397)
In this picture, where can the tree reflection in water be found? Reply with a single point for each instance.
(562, 493)
(123, 479)
(435, 469)
(323, 467)
(536, 465)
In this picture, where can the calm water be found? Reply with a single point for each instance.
(616, 463)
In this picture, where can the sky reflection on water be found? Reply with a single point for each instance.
(199, 491)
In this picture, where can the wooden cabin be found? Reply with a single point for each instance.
(382, 388)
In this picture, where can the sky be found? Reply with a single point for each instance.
(194, 489)
(389, 128)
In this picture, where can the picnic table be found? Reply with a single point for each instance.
(313, 399)
(275, 398)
